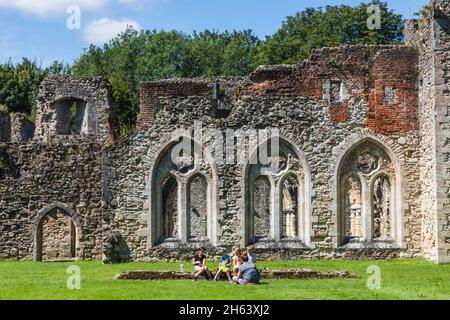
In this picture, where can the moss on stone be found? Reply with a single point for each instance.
(3, 108)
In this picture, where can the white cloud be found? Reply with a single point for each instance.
(103, 30)
(48, 7)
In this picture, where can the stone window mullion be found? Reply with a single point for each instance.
(367, 208)
(182, 209)
(301, 211)
(276, 211)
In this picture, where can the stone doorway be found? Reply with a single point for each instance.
(56, 236)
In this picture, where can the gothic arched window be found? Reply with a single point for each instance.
(182, 197)
(366, 202)
(277, 194)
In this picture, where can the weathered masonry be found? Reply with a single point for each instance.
(362, 172)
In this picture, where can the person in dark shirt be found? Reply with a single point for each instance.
(199, 262)
(248, 274)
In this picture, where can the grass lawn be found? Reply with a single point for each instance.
(406, 279)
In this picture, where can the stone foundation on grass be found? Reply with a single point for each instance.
(272, 275)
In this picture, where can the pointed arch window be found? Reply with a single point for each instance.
(367, 201)
(278, 202)
(183, 198)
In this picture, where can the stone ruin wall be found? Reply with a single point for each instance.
(94, 112)
(15, 128)
(39, 176)
(68, 179)
(295, 100)
(430, 36)
(51, 185)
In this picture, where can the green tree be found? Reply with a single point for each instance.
(134, 56)
(222, 54)
(329, 27)
(19, 84)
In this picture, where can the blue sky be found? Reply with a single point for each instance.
(37, 28)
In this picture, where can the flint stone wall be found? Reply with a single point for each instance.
(40, 175)
(5, 127)
(292, 100)
(94, 95)
(431, 37)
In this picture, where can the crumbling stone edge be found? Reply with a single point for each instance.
(292, 274)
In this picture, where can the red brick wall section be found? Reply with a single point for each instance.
(339, 112)
(366, 70)
(398, 69)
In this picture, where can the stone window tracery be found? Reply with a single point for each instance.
(182, 199)
(353, 208)
(198, 209)
(366, 199)
(262, 208)
(277, 201)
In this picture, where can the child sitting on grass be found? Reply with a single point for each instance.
(236, 259)
(251, 254)
(225, 266)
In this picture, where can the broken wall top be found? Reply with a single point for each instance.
(364, 72)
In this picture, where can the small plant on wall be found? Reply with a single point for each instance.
(3, 108)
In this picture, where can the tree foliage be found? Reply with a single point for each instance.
(329, 27)
(135, 56)
(19, 83)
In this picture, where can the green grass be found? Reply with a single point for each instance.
(406, 279)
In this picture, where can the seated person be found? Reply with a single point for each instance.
(251, 254)
(236, 259)
(225, 266)
(199, 262)
(248, 274)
